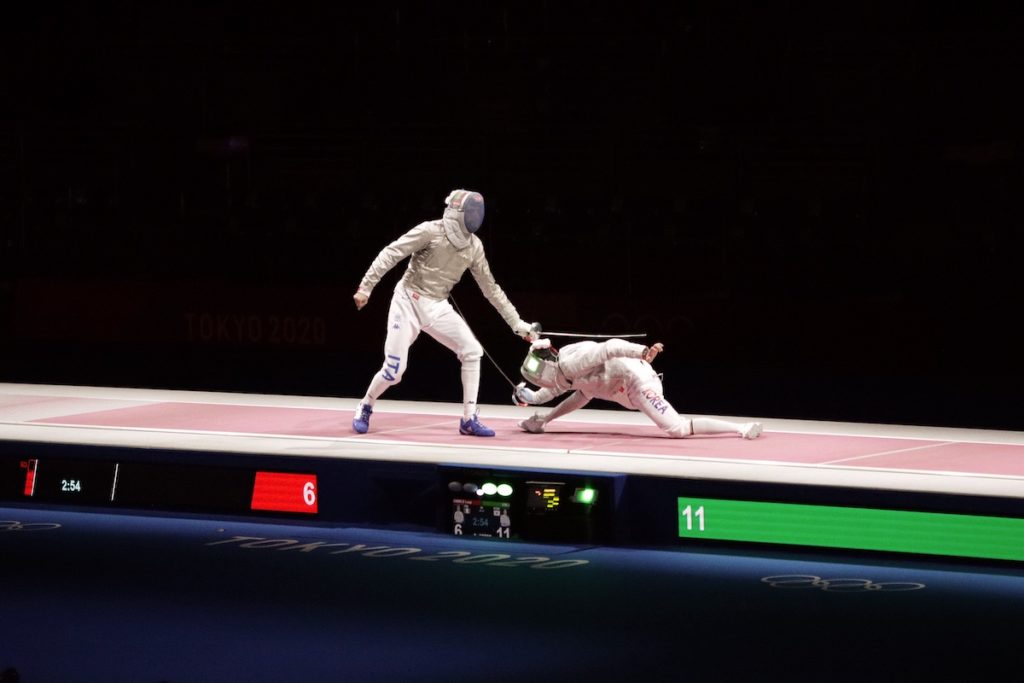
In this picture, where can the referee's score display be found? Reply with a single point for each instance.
(169, 486)
(544, 506)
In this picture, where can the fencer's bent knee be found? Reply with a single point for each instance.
(681, 429)
(471, 354)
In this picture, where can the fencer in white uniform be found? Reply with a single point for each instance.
(439, 252)
(614, 370)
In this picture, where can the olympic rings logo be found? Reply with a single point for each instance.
(12, 525)
(840, 585)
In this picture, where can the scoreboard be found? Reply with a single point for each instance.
(512, 504)
(507, 504)
(166, 486)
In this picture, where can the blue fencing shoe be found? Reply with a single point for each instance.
(361, 421)
(472, 427)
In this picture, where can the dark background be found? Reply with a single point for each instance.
(815, 206)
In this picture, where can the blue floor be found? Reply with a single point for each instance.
(123, 598)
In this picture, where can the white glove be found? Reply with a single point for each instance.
(528, 331)
(523, 395)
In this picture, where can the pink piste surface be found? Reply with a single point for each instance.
(565, 436)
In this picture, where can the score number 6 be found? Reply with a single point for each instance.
(309, 493)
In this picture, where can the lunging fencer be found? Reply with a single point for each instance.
(440, 252)
(614, 370)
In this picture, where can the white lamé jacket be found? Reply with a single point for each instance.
(440, 252)
(613, 370)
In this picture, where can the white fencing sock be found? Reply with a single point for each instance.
(470, 387)
(709, 425)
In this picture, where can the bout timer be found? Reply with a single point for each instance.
(69, 481)
(163, 486)
(481, 517)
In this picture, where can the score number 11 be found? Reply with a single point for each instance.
(689, 513)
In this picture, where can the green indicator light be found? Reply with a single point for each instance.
(504, 490)
(927, 533)
(489, 489)
(585, 495)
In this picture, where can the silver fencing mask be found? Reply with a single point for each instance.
(467, 207)
(540, 366)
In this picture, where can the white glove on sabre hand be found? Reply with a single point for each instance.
(528, 331)
(523, 396)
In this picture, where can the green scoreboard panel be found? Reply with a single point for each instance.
(854, 528)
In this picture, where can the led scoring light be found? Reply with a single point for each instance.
(490, 489)
(585, 495)
(30, 476)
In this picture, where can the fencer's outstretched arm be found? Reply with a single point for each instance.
(574, 401)
(538, 422)
(525, 396)
(481, 271)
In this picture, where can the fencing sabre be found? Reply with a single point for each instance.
(536, 329)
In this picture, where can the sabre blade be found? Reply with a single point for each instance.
(595, 336)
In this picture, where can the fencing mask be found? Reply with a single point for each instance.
(467, 207)
(541, 367)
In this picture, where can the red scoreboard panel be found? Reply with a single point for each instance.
(284, 492)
